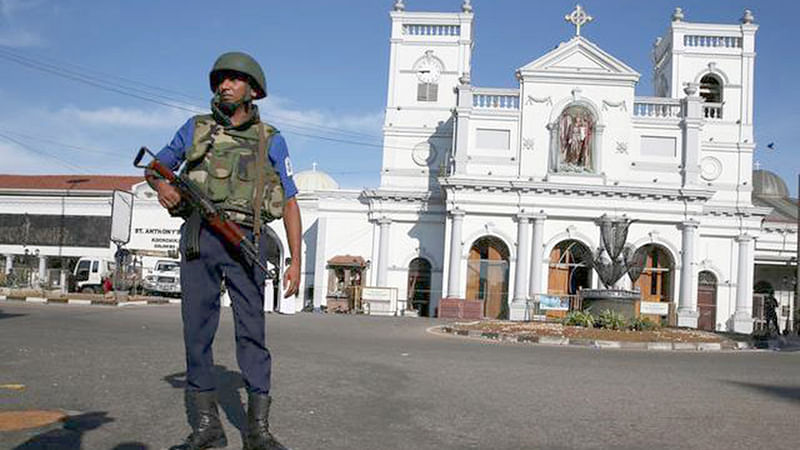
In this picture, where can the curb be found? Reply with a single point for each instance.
(593, 343)
(86, 302)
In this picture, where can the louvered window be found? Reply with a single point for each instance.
(427, 92)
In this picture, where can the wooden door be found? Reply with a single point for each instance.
(707, 307)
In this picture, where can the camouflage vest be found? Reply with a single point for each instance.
(222, 162)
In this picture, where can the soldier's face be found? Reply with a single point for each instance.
(233, 87)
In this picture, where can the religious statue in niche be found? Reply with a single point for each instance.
(575, 140)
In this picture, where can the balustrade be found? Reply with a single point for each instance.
(491, 100)
(712, 41)
(657, 107)
(431, 30)
(712, 110)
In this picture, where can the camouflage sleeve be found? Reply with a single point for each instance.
(279, 157)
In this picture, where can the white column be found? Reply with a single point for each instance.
(519, 303)
(320, 287)
(535, 286)
(454, 264)
(383, 251)
(9, 263)
(42, 271)
(743, 317)
(687, 303)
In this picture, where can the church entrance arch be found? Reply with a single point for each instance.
(487, 276)
(655, 283)
(567, 273)
(707, 301)
(419, 285)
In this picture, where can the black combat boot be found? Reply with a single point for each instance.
(207, 430)
(258, 435)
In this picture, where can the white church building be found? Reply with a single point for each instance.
(487, 196)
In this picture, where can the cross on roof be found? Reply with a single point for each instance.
(757, 165)
(578, 18)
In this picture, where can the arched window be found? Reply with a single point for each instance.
(711, 89)
(487, 276)
(655, 282)
(567, 273)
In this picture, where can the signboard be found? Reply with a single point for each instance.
(121, 214)
(553, 303)
(655, 308)
(379, 300)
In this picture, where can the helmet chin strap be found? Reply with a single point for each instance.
(223, 111)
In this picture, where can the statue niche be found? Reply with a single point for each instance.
(575, 140)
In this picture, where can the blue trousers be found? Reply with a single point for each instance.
(201, 278)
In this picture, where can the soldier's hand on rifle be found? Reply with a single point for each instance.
(168, 195)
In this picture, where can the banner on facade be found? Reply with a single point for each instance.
(553, 303)
(654, 308)
(121, 215)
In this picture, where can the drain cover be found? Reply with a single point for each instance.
(20, 420)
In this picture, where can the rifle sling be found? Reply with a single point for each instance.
(261, 161)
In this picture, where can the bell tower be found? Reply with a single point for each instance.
(429, 52)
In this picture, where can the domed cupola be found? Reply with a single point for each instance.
(769, 184)
(314, 180)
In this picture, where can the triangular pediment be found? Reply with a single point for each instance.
(580, 56)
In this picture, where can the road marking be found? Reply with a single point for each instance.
(13, 387)
(21, 420)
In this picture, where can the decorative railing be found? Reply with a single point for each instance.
(712, 41)
(657, 107)
(712, 110)
(495, 99)
(431, 30)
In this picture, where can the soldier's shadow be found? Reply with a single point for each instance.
(228, 385)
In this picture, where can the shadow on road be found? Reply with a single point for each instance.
(782, 392)
(228, 383)
(70, 435)
(4, 315)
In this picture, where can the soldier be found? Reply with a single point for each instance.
(243, 166)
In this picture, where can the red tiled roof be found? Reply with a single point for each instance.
(71, 182)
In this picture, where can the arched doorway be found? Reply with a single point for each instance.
(707, 301)
(567, 274)
(655, 283)
(487, 276)
(419, 285)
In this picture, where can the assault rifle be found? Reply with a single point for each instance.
(211, 215)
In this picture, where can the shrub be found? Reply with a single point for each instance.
(642, 324)
(580, 319)
(610, 320)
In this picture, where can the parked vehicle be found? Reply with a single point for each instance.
(89, 274)
(165, 279)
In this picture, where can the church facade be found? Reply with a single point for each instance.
(493, 194)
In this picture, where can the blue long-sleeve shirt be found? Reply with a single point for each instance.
(173, 154)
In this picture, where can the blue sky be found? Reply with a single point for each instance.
(326, 63)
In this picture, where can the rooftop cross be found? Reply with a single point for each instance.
(578, 18)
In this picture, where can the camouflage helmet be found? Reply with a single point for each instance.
(242, 63)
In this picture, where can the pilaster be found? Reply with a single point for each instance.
(520, 300)
(383, 252)
(687, 302)
(743, 317)
(691, 125)
(454, 263)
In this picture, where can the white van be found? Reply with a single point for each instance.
(89, 273)
(165, 279)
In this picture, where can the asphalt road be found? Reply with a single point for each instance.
(354, 382)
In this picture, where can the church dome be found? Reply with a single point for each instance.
(769, 184)
(314, 180)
